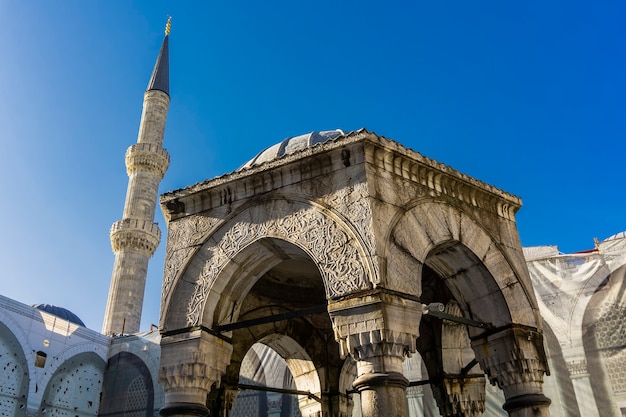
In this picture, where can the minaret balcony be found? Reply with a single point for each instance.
(148, 157)
(137, 234)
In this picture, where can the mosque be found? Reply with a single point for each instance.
(334, 274)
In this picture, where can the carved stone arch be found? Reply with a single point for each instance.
(146, 353)
(296, 370)
(450, 241)
(481, 266)
(321, 235)
(302, 368)
(461, 390)
(305, 335)
(348, 399)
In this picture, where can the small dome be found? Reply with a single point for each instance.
(620, 235)
(292, 145)
(61, 312)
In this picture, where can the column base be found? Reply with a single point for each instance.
(527, 405)
(378, 379)
(184, 410)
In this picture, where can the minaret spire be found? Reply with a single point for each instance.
(135, 238)
(160, 79)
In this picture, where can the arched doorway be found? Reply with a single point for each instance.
(272, 292)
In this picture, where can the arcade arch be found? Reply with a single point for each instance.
(74, 387)
(604, 335)
(128, 389)
(266, 279)
(14, 375)
(460, 266)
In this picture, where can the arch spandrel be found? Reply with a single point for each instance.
(184, 237)
(329, 242)
(450, 241)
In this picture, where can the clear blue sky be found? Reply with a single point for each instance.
(527, 96)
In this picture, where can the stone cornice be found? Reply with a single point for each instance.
(392, 157)
(379, 152)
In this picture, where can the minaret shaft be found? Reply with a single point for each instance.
(135, 238)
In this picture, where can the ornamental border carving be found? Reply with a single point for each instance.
(333, 246)
(183, 237)
(359, 214)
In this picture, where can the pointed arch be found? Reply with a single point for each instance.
(14, 374)
(128, 387)
(481, 271)
(321, 235)
(78, 377)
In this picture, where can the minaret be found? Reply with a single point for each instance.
(135, 238)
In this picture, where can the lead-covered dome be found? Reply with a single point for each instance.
(60, 312)
(291, 145)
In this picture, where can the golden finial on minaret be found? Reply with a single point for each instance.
(168, 25)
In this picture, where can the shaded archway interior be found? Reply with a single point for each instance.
(469, 282)
(290, 282)
(454, 276)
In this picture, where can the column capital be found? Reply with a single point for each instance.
(191, 363)
(376, 323)
(514, 359)
(464, 397)
(577, 368)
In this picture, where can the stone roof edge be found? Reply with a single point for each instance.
(394, 145)
(351, 137)
(340, 141)
(38, 315)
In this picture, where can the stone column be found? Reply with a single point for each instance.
(221, 401)
(514, 359)
(415, 400)
(378, 329)
(191, 363)
(582, 387)
(462, 390)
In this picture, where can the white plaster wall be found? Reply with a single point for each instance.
(69, 348)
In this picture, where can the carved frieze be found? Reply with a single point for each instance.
(440, 179)
(331, 246)
(353, 203)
